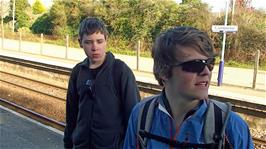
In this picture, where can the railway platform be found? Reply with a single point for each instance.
(18, 131)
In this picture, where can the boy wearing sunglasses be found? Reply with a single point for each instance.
(183, 64)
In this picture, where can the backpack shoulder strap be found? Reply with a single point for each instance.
(116, 71)
(215, 121)
(145, 118)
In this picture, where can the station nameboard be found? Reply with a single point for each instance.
(224, 28)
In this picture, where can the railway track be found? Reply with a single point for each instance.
(51, 90)
(58, 92)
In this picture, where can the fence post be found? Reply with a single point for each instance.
(67, 44)
(2, 26)
(256, 67)
(41, 44)
(2, 40)
(138, 55)
(20, 40)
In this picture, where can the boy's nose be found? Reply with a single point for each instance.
(94, 46)
(205, 71)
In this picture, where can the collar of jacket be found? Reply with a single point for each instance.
(164, 106)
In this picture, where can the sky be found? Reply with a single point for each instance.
(217, 5)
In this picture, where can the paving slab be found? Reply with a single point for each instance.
(20, 132)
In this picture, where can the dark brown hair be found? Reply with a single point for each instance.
(167, 44)
(92, 25)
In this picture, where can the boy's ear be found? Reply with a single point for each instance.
(79, 40)
(164, 78)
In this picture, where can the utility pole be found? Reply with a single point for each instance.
(221, 65)
(2, 15)
(13, 12)
(233, 11)
(2, 25)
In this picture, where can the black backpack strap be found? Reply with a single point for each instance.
(215, 122)
(145, 118)
(116, 74)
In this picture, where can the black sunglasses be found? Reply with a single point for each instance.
(197, 66)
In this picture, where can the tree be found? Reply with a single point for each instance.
(21, 16)
(138, 19)
(43, 24)
(251, 35)
(58, 19)
(73, 16)
(38, 7)
(195, 14)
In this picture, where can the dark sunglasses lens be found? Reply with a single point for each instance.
(210, 63)
(198, 66)
(210, 66)
(193, 66)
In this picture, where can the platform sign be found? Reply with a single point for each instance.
(224, 28)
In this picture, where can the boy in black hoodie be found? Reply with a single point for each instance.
(99, 98)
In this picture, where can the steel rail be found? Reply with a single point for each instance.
(33, 80)
(259, 141)
(36, 65)
(33, 90)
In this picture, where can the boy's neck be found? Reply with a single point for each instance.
(180, 106)
(94, 65)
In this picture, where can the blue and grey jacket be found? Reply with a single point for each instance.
(190, 131)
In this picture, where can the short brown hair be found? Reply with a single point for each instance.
(92, 25)
(167, 43)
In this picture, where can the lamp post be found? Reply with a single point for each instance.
(13, 12)
(2, 26)
(233, 10)
(221, 65)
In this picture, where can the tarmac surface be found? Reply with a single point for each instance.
(20, 132)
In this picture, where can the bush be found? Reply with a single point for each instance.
(42, 25)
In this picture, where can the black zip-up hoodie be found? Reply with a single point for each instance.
(97, 110)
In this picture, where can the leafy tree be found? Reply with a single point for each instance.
(21, 16)
(132, 20)
(250, 37)
(58, 19)
(195, 14)
(251, 34)
(88, 8)
(191, 2)
(38, 7)
(43, 24)
(73, 16)
(138, 19)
